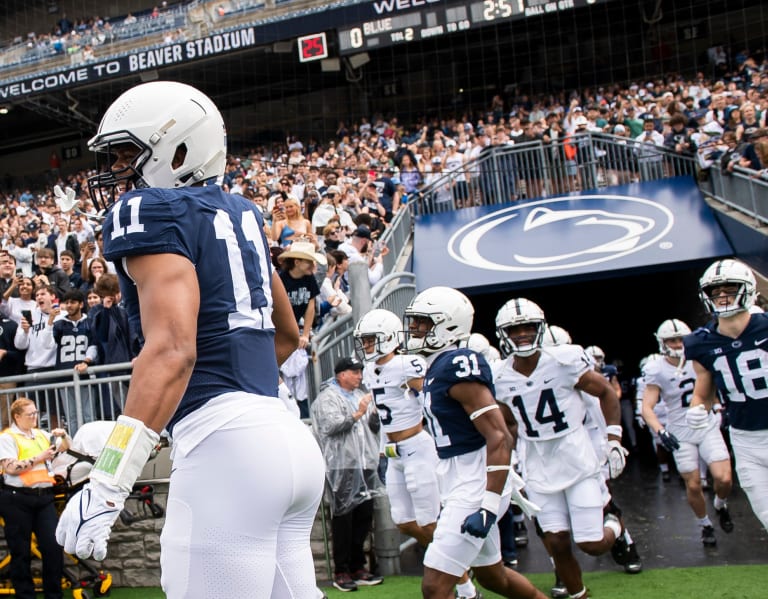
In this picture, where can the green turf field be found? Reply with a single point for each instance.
(720, 582)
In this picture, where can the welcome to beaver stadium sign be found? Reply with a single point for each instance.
(132, 63)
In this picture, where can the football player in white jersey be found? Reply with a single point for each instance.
(474, 447)
(671, 381)
(199, 287)
(730, 354)
(561, 468)
(395, 381)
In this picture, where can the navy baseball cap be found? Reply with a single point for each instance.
(348, 363)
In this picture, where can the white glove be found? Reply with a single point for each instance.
(639, 415)
(86, 523)
(697, 417)
(517, 484)
(65, 199)
(617, 458)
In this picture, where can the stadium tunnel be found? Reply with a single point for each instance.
(608, 266)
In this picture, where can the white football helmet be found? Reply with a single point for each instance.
(450, 312)
(728, 272)
(670, 329)
(597, 354)
(479, 343)
(385, 327)
(555, 335)
(516, 312)
(178, 131)
(649, 358)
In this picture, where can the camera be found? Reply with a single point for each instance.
(27, 315)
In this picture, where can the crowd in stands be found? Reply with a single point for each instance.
(336, 197)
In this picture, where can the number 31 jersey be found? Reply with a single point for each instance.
(448, 421)
(221, 235)
(739, 367)
(550, 413)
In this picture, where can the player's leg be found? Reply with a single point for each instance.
(415, 496)
(221, 530)
(715, 453)
(554, 522)
(594, 532)
(295, 571)
(451, 553)
(750, 449)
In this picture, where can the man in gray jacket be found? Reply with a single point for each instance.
(347, 425)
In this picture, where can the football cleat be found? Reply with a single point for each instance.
(634, 564)
(725, 519)
(708, 536)
(558, 590)
(521, 534)
(477, 595)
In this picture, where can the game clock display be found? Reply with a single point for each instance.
(401, 21)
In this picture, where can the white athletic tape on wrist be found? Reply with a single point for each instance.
(125, 453)
(477, 413)
(496, 467)
(491, 502)
(613, 429)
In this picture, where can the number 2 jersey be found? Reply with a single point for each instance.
(221, 235)
(399, 406)
(739, 367)
(675, 391)
(550, 413)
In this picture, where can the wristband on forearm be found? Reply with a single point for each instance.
(125, 453)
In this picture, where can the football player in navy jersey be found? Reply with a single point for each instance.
(562, 470)
(474, 448)
(730, 355)
(197, 281)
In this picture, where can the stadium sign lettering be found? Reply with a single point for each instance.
(133, 63)
(387, 6)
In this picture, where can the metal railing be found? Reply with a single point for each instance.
(507, 173)
(68, 399)
(744, 190)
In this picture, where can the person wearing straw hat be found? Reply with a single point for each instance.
(297, 271)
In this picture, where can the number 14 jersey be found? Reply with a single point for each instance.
(550, 414)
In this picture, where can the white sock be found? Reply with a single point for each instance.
(614, 525)
(466, 589)
(720, 503)
(705, 521)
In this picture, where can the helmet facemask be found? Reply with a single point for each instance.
(507, 338)
(740, 301)
(418, 339)
(107, 185)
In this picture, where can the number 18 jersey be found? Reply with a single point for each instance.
(221, 235)
(739, 367)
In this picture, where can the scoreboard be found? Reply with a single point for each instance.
(401, 21)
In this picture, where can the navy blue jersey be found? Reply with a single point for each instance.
(72, 341)
(448, 422)
(221, 234)
(739, 367)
